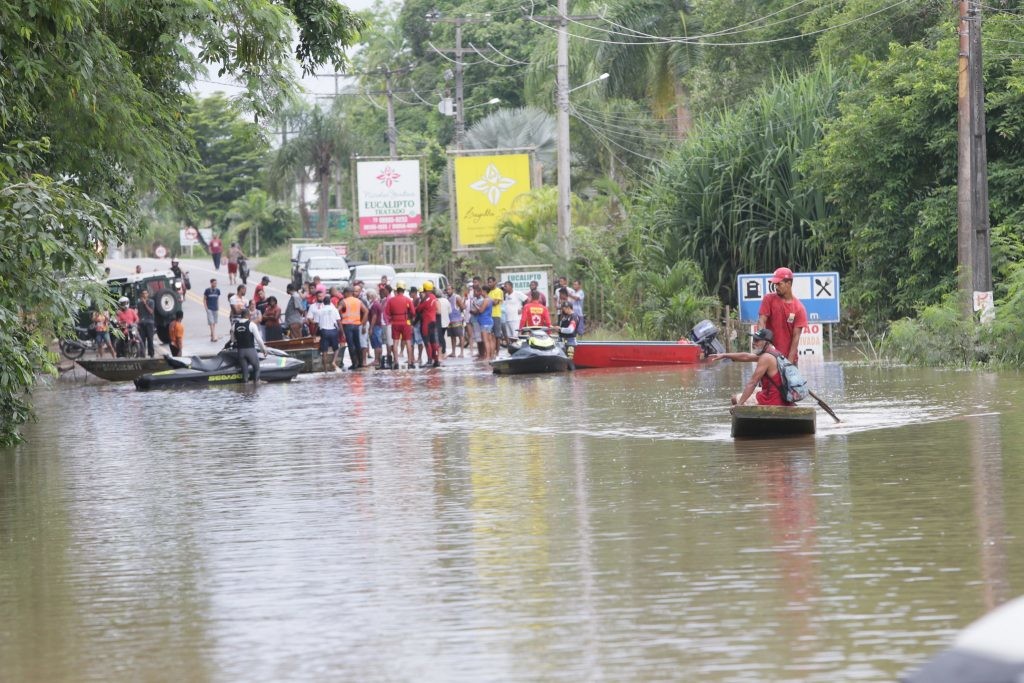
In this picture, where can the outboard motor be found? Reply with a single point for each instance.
(705, 335)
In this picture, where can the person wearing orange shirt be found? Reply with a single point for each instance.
(176, 331)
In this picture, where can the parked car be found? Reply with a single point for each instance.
(332, 271)
(166, 291)
(301, 254)
(371, 273)
(417, 278)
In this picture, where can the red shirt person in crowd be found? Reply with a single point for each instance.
(535, 313)
(427, 312)
(783, 314)
(400, 311)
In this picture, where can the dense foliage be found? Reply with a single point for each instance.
(91, 124)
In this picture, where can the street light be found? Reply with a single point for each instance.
(493, 100)
(602, 77)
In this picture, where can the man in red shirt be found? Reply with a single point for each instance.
(216, 249)
(783, 314)
(400, 311)
(535, 313)
(766, 373)
(427, 311)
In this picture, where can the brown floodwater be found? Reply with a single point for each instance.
(456, 526)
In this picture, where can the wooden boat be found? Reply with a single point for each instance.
(752, 422)
(295, 344)
(123, 369)
(622, 354)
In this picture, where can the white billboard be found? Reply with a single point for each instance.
(388, 196)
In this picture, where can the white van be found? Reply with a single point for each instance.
(416, 279)
(371, 273)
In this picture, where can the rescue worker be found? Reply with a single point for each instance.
(426, 310)
(568, 328)
(400, 311)
(246, 339)
(535, 313)
(353, 316)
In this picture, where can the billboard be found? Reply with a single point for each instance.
(388, 198)
(485, 187)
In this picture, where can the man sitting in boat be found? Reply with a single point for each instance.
(766, 373)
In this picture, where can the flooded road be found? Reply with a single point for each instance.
(456, 526)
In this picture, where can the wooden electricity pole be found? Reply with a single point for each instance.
(973, 258)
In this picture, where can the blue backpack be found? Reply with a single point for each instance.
(794, 386)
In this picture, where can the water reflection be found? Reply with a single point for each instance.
(457, 526)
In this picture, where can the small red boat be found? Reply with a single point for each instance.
(703, 340)
(623, 354)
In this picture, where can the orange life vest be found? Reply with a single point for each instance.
(351, 316)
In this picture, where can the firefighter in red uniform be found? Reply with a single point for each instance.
(427, 312)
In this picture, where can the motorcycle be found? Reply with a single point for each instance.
(128, 343)
(243, 270)
(85, 340)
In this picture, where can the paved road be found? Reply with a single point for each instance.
(197, 332)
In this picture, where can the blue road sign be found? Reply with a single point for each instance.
(818, 292)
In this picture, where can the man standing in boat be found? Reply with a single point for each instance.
(766, 373)
(783, 314)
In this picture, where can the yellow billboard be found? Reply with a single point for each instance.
(485, 187)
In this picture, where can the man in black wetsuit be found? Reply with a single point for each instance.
(246, 337)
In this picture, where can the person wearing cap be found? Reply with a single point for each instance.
(783, 314)
(426, 312)
(535, 313)
(568, 328)
(766, 372)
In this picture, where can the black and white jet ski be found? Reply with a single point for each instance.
(219, 370)
(537, 352)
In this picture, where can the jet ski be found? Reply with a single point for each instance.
(537, 352)
(219, 370)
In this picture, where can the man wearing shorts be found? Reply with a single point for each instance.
(212, 298)
(233, 254)
(326, 317)
(400, 311)
(456, 321)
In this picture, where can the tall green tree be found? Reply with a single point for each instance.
(732, 199)
(231, 155)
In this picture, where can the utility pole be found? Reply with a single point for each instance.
(973, 241)
(457, 54)
(562, 124)
(392, 129)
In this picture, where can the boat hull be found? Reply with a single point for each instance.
(272, 369)
(760, 422)
(123, 369)
(530, 365)
(635, 353)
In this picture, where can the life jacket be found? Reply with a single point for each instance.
(244, 338)
(351, 316)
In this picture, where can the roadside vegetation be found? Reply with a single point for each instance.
(730, 136)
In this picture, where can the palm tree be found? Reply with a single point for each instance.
(516, 129)
(654, 70)
(320, 143)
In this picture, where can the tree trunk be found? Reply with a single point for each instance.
(307, 229)
(325, 198)
(684, 118)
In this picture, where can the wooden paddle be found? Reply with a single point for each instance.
(824, 406)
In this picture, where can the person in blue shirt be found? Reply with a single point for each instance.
(212, 298)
